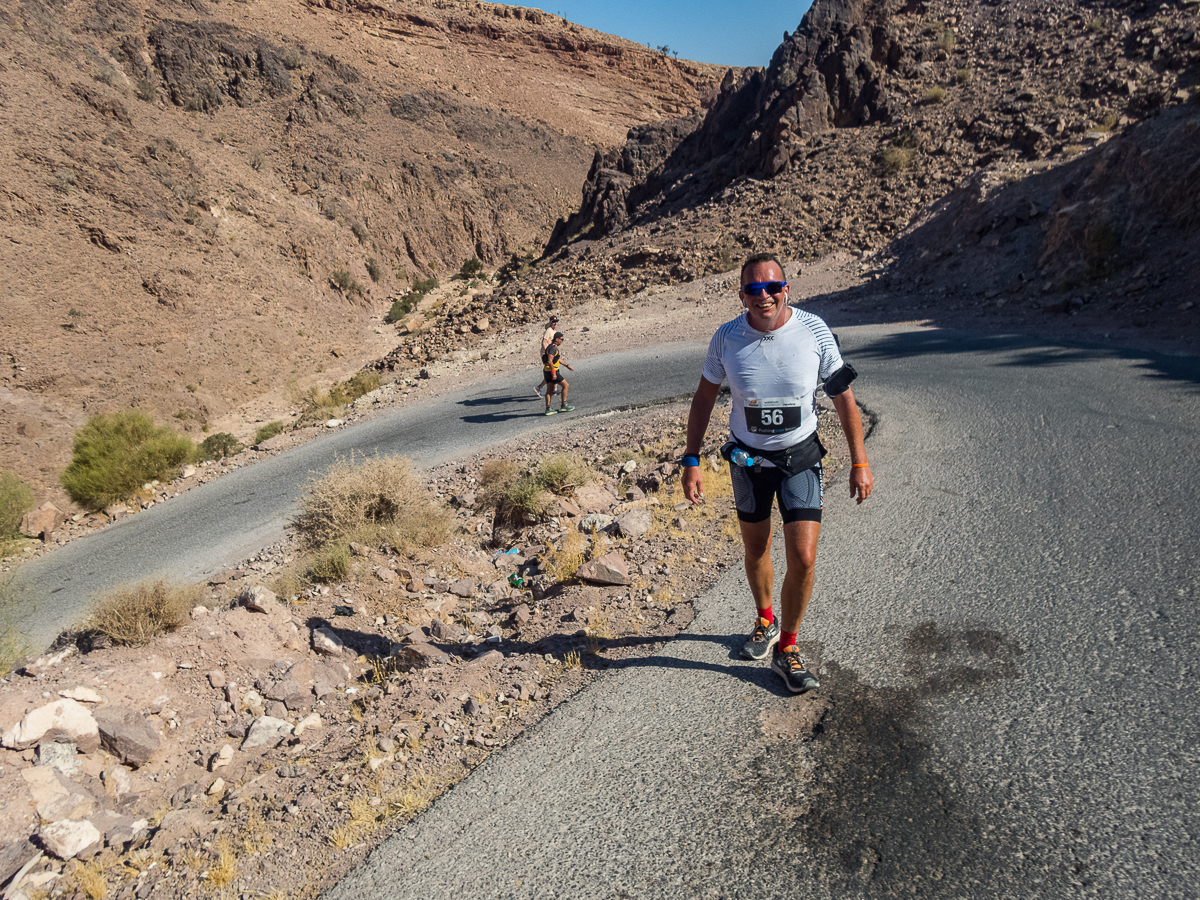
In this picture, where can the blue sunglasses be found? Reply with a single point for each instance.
(754, 288)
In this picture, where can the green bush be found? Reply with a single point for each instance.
(352, 388)
(268, 431)
(219, 445)
(516, 266)
(402, 306)
(425, 285)
(470, 268)
(345, 282)
(115, 455)
(16, 499)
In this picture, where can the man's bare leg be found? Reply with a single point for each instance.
(760, 572)
(800, 543)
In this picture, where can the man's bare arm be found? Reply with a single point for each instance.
(701, 411)
(862, 482)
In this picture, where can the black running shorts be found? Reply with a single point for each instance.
(800, 497)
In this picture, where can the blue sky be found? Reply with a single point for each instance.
(712, 31)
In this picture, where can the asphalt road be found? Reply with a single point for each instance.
(229, 519)
(1007, 639)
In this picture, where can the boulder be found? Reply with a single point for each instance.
(55, 796)
(464, 587)
(62, 757)
(126, 735)
(610, 568)
(266, 731)
(65, 721)
(13, 857)
(69, 838)
(43, 520)
(419, 656)
(445, 631)
(595, 522)
(634, 522)
(591, 497)
(326, 643)
(259, 599)
(81, 694)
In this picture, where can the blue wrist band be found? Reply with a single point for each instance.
(691, 460)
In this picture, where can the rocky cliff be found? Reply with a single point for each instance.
(202, 202)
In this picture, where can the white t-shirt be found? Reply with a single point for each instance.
(773, 377)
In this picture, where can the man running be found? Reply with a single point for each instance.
(774, 356)
(551, 360)
(547, 338)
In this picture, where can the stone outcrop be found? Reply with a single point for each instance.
(126, 735)
(64, 720)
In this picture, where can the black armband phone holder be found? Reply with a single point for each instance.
(840, 380)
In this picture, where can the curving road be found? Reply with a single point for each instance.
(1007, 635)
(230, 518)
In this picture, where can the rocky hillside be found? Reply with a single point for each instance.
(963, 122)
(204, 201)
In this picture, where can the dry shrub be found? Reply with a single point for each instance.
(331, 563)
(383, 491)
(134, 616)
(562, 474)
(516, 498)
(224, 869)
(563, 562)
(91, 881)
(935, 95)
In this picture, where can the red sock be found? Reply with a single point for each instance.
(767, 614)
(787, 639)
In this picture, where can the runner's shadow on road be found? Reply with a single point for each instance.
(755, 672)
(532, 406)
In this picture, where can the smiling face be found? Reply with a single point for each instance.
(766, 311)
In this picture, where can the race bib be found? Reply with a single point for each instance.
(773, 415)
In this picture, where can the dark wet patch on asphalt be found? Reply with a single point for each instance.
(860, 795)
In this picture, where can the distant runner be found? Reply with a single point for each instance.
(547, 339)
(551, 360)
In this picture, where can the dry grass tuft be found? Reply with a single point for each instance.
(224, 869)
(562, 474)
(563, 562)
(90, 879)
(382, 491)
(134, 616)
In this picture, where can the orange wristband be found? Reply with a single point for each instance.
(860, 465)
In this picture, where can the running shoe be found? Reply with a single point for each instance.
(761, 639)
(567, 408)
(552, 412)
(790, 666)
